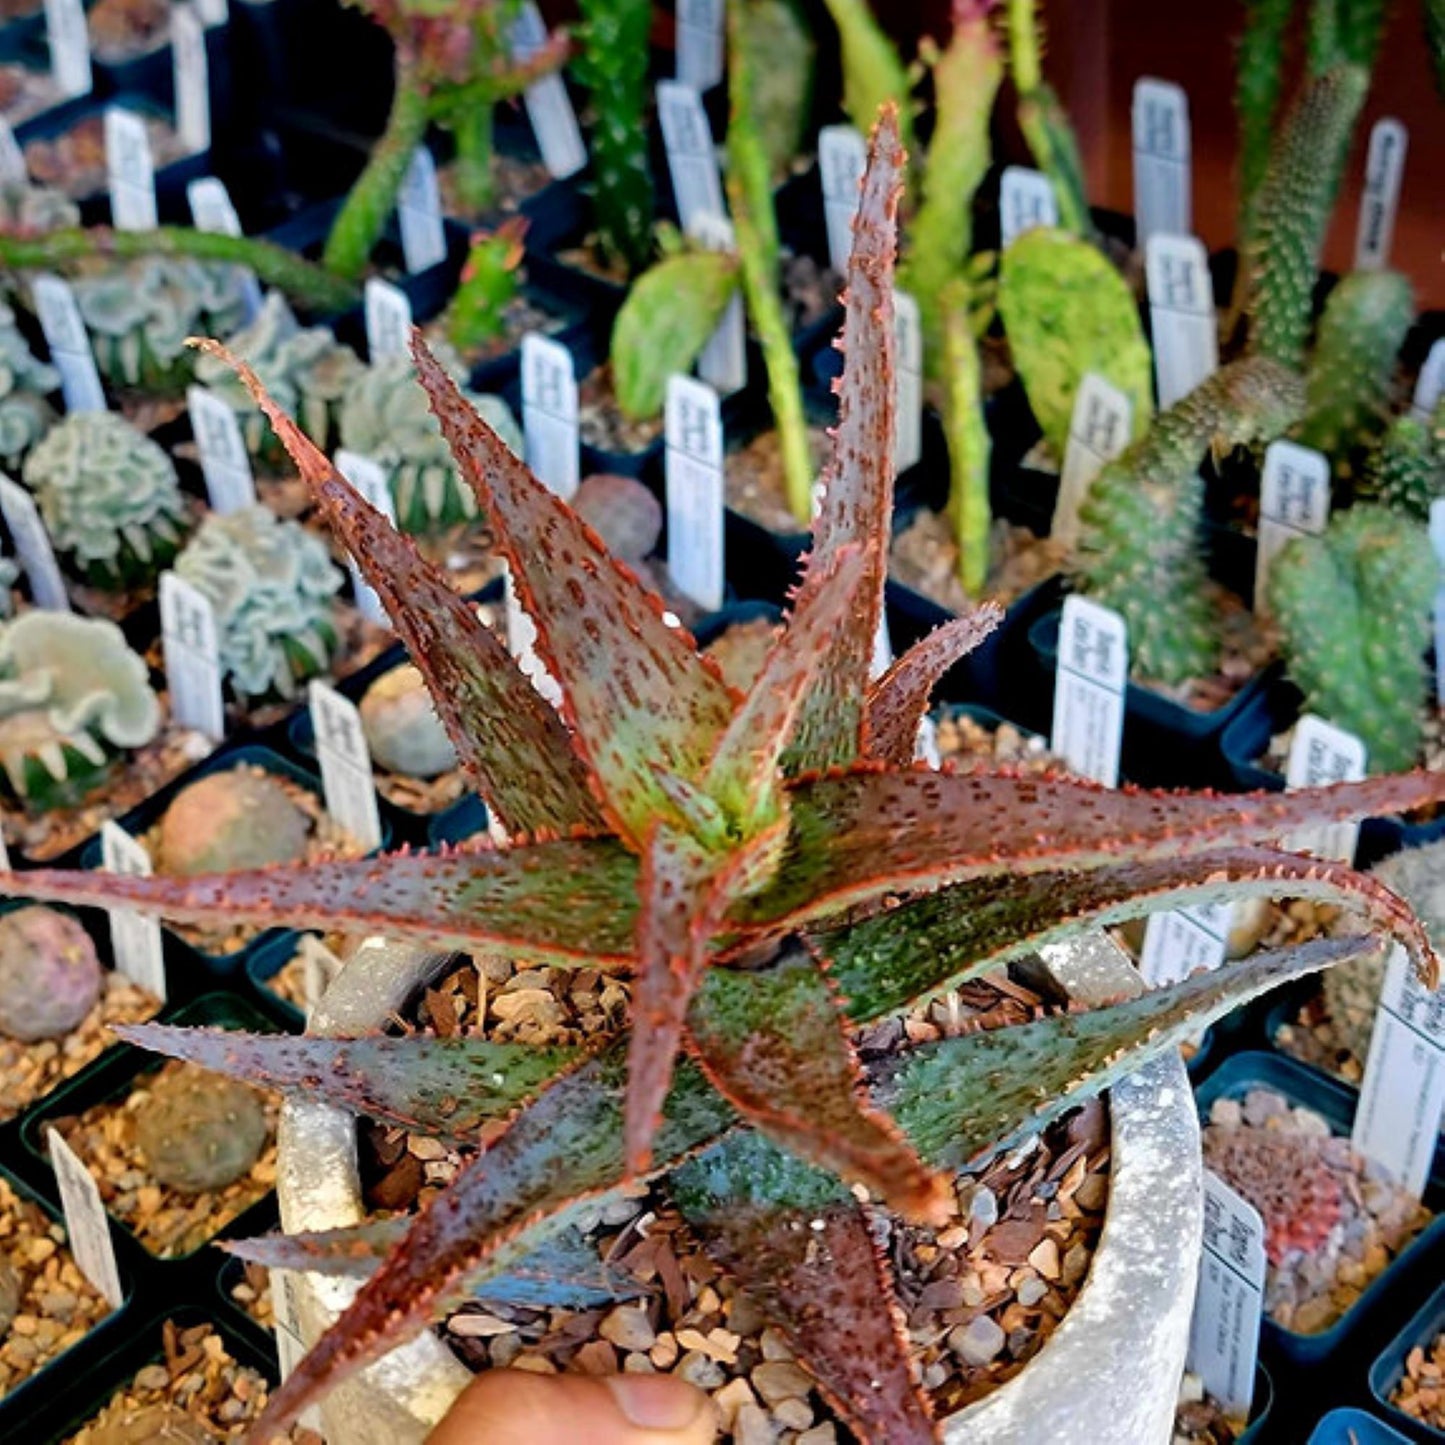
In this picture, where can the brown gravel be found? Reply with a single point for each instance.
(964, 739)
(1421, 1391)
(515, 180)
(753, 480)
(741, 651)
(25, 92)
(924, 556)
(252, 1293)
(74, 161)
(122, 30)
(1198, 1418)
(601, 422)
(520, 315)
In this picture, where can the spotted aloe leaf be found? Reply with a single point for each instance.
(508, 739)
(772, 1042)
(444, 1086)
(635, 691)
(801, 1246)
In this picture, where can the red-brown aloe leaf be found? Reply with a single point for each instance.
(635, 691)
(898, 700)
(563, 1148)
(801, 1246)
(943, 939)
(567, 901)
(962, 1100)
(441, 1086)
(858, 481)
(509, 740)
(772, 1043)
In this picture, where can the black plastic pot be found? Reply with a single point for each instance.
(1354, 1427)
(1389, 1369)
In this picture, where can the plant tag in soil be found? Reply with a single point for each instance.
(1402, 1096)
(212, 12)
(69, 46)
(388, 319)
(346, 777)
(290, 1345)
(130, 170)
(1099, 430)
(32, 546)
(85, 1220)
(1380, 199)
(135, 939)
(1184, 941)
(925, 750)
(723, 362)
(908, 389)
(224, 459)
(1430, 383)
(1089, 690)
(1181, 315)
(69, 344)
(318, 967)
(419, 214)
(1224, 1333)
(1162, 202)
(1025, 199)
(522, 643)
(1320, 754)
(211, 210)
(192, 657)
(700, 43)
(842, 158)
(12, 158)
(549, 107)
(549, 413)
(192, 79)
(368, 479)
(1294, 501)
(695, 490)
(691, 155)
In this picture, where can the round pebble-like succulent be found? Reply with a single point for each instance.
(152, 1425)
(402, 729)
(50, 977)
(9, 1295)
(241, 818)
(198, 1130)
(623, 512)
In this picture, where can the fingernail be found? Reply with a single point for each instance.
(655, 1402)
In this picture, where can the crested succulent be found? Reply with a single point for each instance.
(403, 732)
(477, 313)
(34, 210)
(25, 382)
(110, 498)
(722, 846)
(237, 818)
(1407, 470)
(73, 698)
(272, 587)
(50, 976)
(197, 1131)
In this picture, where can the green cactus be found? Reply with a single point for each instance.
(25, 382)
(1259, 83)
(50, 977)
(781, 96)
(1407, 470)
(874, 74)
(73, 698)
(196, 1131)
(969, 445)
(1138, 549)
(1354, 614)
(477, 313)
(272, 586)
(1344, 32)
(237, 818)
(402, 729)
(1066, 312)
(110, 498)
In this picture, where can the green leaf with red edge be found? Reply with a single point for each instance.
(566, 901)
(772, 1043)
(801, 1247)
(857, 500)
(509, 740)
(898, 701)
(447, 1087)
(636, 693)
(943, 939)
(963, 1100)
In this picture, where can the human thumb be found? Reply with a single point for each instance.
(517, 1407)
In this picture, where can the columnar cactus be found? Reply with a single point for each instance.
(25, 383)
(1407, 470)
(1259, 83)
(781, 85)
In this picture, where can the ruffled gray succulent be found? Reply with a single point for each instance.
(36, 209)
(25, 382)
(272, 586)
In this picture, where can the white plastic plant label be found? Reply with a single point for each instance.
(1402, 1096)
(1099, 430)
(549, 414)
(319, 966)
(925, 749)
(700, 42)
(1229, 1302)
(1181, 315)
(12, 158)
(419, 214)
(1025, 199)
(212, 12)
(1093, 672)
(388, 319)
(549, 107)
(85, 1221)
(370, 480)
(908, 386)
(33, 547)
(695, 490)
(224, 458)
(347, 781)
(69, 344)
(192, 657)
(882, 658)
(1184, 941)
(4, 855)
(1430, 383)
(69, 40)
(135, 939)
(522, 643)
(1380, 199)
(842, 159)
(192, 79)
(211, 210)
(130, 169)
(290, 1342)
(1294, 501)
(691, 155)
(1162, 185)
(723, 362)
(1320, 754)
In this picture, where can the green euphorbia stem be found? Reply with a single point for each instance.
(968, 441)
(475, 183)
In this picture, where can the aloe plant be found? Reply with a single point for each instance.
(773, 868)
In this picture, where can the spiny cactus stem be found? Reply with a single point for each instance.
(472, 131)
(968, 440)
(306, 283)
